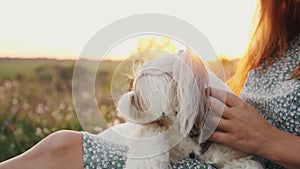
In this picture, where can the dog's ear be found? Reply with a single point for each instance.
(127, 107)
(131, 109)
(192, 79)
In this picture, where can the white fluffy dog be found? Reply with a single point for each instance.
(169, 93)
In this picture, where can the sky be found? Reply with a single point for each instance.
(61, 28)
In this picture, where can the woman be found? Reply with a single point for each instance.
(271, 127)
(271, 73)
(275, 41)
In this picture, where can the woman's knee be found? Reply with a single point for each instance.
(62, 142)
(62, 148)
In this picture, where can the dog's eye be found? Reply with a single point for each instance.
(194, 134)
(132, 100)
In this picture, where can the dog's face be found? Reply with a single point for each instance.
(167, 89)
(153, 94)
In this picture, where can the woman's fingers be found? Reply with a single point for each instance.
(229, 99)
(218, 107)
(220, 137)
(223, 124)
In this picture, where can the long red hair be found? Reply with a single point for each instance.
(276, 22)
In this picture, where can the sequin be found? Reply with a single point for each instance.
(274, 95)
(102, 154)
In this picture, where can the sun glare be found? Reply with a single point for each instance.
(34, 30)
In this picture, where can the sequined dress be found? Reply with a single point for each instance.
(274, 95)
(102, 154)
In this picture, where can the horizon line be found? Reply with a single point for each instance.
(110, 58)
(106, 58)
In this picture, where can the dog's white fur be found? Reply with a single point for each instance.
(172, 88)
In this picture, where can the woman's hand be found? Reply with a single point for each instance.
(242, 127)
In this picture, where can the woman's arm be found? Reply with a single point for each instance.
(242, 127)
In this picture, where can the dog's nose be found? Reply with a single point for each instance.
(192, 155)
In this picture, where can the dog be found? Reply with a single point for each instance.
(168, 94)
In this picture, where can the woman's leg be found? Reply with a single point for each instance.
(60, 150)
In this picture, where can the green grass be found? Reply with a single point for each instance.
(36, 99)
(11, 68)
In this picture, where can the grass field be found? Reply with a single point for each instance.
(36, 99)
(11, 68)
